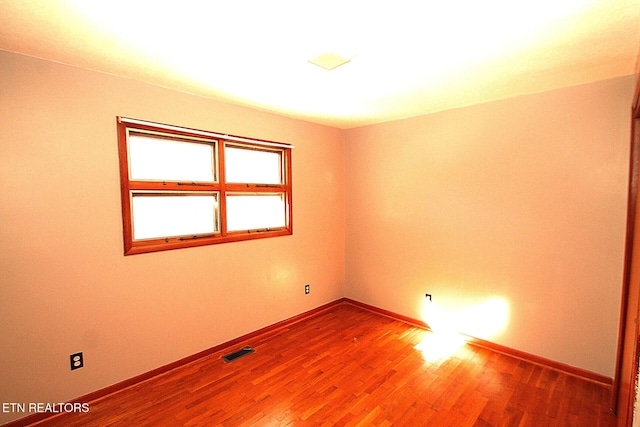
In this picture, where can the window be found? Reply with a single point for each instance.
(184, 187)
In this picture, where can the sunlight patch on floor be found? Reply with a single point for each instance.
(440, 346)
(452, 327)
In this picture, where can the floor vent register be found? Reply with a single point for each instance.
(237, 354)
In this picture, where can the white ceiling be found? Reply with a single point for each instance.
(407, 57)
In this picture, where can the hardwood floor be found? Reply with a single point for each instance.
(351, 367)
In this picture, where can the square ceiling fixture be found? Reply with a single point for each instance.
(329, 61)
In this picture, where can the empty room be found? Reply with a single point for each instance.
(319, 213)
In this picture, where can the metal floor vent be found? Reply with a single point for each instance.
(237, 354)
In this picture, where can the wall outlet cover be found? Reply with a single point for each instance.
(77, 361)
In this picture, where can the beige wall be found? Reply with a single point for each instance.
(522, 200)
(511, 213)
(65, 284)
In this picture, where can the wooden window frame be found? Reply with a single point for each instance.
(220, 186)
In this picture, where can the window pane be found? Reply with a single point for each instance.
(247, 166)
(255, 211)
(163, 159)
(170, 215)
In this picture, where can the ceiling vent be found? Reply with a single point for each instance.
(329, 61)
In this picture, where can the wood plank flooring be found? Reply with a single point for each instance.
(351, 367)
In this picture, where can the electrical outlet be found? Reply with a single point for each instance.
(76, 360)
(428, 297)
(307, 289)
